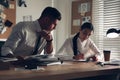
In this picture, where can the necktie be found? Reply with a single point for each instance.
(37, 46)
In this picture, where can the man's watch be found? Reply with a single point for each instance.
(49, 40)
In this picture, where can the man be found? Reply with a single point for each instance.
(24, 37)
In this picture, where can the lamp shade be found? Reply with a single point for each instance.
(112, 33)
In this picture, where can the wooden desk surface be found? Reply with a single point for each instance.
(68, 70)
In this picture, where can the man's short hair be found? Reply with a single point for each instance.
(51, 12)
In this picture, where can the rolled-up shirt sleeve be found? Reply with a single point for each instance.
(13, 40)
(96, 51)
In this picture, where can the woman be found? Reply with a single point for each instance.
(80, 46)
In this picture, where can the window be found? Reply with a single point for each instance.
(106, 14)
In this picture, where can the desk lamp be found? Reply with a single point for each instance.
(112, 33)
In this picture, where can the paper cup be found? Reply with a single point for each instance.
(106, 55)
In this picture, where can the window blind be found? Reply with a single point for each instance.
(106, 14)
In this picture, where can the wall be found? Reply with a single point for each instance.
(64, 27)
(34, 8)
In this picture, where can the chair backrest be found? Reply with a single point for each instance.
(1, 44)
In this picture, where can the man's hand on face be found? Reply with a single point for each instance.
(46, 34)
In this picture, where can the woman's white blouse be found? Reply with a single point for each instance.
(87, 47)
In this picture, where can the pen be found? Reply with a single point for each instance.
(60, 60)
(100, 63)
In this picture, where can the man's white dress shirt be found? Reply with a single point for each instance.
(22, 39)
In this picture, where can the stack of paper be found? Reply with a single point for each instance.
(43, 60)
(112, 62)
(4, 59)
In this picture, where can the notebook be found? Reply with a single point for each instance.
(4, 59)
(112, 62)
(43, 60)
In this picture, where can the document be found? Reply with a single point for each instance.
(4, 59)
(80, 60)
(112, 62)
(43, 60)
(45, 57)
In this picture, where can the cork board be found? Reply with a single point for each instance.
(10, 15)
(81, 12)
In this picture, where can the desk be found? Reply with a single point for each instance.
(66, 71)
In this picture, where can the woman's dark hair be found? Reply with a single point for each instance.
(51, 12)
(87, 25)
